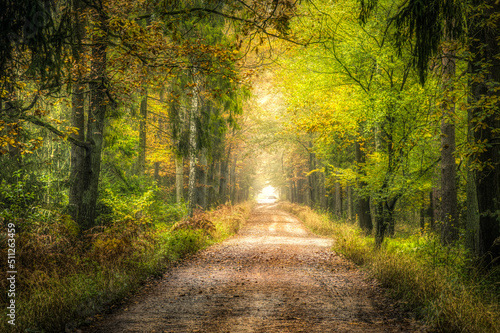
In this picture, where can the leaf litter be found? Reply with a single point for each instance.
(273, 276)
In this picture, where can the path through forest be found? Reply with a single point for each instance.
(274, 276)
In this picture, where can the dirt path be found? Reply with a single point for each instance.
(274, 276)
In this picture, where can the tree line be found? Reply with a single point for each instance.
(106, 95)
(392, 115)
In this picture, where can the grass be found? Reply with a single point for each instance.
(64, 279)
(439, 283)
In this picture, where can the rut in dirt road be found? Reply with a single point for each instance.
(274, 276)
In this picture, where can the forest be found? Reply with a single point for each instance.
(134, 133)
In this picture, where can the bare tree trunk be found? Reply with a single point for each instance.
(363, 206)
(77, 116)
(224, 177)
(211, 182)
(350, 208)
(95, 128)
(201, 184)
(233, 179)
(179, 179)
(485, 124)
(141, 162)
(448, 218)
(193, 151)
(338, 199)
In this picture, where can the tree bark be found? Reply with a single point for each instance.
(95, 127)
(179, 179)
(350, 208)
(77, 155)
(485, 123)
(338, 199)
(363, 202)
(233, 179)
(201, 183)
(141, 162)
(193, 151)
(224, 177)
(212, 185)
(449, 215)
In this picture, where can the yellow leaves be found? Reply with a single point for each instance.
(57, 121)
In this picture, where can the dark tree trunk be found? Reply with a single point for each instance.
(224, 177)
(141, 163)
(485, 123)
(350, 206)
(233, 179)
(211, 185)
(338, 200)
(179, 179)
(95, 129)
(380, 223)
(449, 216)
(201, 183)
(77, 117)
(77, 153)
(363, 202)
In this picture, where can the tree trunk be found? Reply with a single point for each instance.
(201, 183)
(193, 151)
(141, 163)
(380, 223)
(224, 177)
(449, 216)
(473, 217)
(212, 185)
(485, 124)
(77, 117)
(363, 204)
(95, 128)
(233, 179)
(179, 179)
(77, 153)
(350, 208)
(338, 199)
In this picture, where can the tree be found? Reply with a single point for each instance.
(481, 18)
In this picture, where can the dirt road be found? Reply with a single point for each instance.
(274, 276)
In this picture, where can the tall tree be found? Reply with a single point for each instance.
(484, 67)
(449, 215)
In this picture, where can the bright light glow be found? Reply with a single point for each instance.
(267, 195)
(269, 190)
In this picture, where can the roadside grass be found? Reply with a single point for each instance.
(64, 279)
(440, 283)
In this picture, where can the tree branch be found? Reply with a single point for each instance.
(40, 122)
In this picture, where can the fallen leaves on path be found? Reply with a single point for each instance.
(274, 276)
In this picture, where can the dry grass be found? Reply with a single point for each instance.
(445, 297)
(65, 279)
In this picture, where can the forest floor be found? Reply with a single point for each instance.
(273, 276)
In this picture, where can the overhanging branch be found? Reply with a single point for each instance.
(40, 122)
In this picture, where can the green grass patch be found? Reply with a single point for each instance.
(439, 283)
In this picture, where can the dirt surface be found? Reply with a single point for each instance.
(274, 276)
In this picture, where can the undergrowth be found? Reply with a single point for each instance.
(66, 276)
(439, 283)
